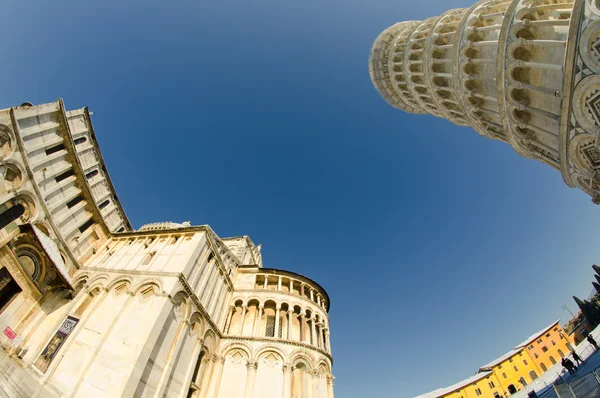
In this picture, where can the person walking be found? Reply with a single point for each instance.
(577, 358)
(571, 366)
(566, 365)
(591, 340)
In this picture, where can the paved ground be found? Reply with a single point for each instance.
(16, 382)
(584, 350)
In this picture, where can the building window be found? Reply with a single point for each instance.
(544, 368)
(54, 149)
(148, 257)
(539, 341)
(74, 201)
(509, 359)
(522, 381)
(500, 366)
(104, 204)
(562, 355)
(64, 175)
(556, 329)
(536, 355)
(491, 383)
(515, 368)
(86, 225)
(80, 140)
(91, 174)
(552, 360)
(552, 341)
(270, 332)
(504, 375)
(547, 334)
(525, 362)
(530, 347)
(478, 391)
(545, 349)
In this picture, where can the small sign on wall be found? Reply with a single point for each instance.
(8, 332)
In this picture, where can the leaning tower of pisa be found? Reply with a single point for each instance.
(524, 72)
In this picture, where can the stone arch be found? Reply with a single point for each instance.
(119, 279)
(301, 356)
(322, 364)
(99, 280)
(181, 305)
(7, 141)
(120, 285)
(155, 283)
(237, 346)
(80, 281)
(25, 198)
(263, 350)
(210, 340)
(32, 261)
(196, 325)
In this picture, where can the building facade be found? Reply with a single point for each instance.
(514, 370)
(97, 309)
(524, 72)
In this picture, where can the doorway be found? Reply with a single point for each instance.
(8, 289)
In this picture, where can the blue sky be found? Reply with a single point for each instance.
(439, 249)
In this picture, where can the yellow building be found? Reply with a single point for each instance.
(512, 371)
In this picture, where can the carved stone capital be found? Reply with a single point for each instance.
(287, 368)
(252, 365)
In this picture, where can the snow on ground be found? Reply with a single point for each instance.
(585, 350)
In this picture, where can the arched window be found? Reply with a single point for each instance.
(91, 174)
(80, 140)
(561, 353)
(522, 381)
(533, 375)
(552, 360)
(104, 204)
(544, 368)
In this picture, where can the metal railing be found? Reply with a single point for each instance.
(586, 386)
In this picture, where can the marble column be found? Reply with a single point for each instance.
(330, 379)
(315, 383)
(287, 380)
(229, 318)
(266, 281)
(277, 321)
(319, 336)
(302, 289)
(289, 323)
(328, 339)
(256, 327)
(250, 378)
(206, 376)
(215, 376)
(243, 319)
(313, 333)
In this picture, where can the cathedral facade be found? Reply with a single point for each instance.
(94, 308)
(524, 72)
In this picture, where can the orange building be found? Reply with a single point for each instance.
(512, 371)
